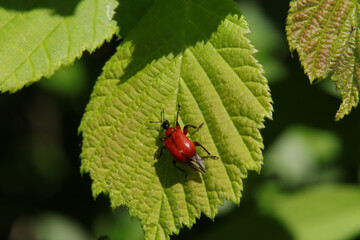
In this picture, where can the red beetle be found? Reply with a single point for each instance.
(181, 148)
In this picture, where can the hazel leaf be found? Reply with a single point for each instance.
(325, 35)
(190, 52)
(38, 37)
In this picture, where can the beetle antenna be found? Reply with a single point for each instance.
(163, 117)
(163, 114)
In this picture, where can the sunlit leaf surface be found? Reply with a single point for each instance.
(38, 37)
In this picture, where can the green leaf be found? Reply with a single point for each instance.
(325, 34)
(302, 155)
(321, 212)
(48, 225)
(37, 40)
(188, 52)
(117, 225)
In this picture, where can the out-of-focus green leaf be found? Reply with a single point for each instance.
(69, 82)
(327, 212)
(51, 226)
(328, 87)
(326, 36)
(299, 154)
(118, 225)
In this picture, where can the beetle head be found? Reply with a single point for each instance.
(165, 125)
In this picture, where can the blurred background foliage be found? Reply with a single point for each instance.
(308, 188)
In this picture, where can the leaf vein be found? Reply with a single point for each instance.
(32, 52)
(8, 22)
(211, 44)
(69, 40)
(305, 25)
(322, 34)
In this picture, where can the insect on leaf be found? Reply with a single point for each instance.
(325, 34)
(190, 52)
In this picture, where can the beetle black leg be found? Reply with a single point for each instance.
(212, 156)
(174, 162)
(161, 150)
(185, 130)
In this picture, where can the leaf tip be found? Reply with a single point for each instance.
(344, 109)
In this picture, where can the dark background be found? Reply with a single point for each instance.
(43, 195)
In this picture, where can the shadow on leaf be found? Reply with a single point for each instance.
(168, 28)
(63, 8)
